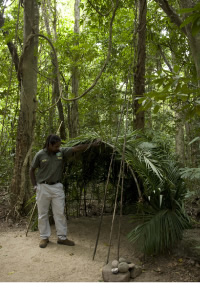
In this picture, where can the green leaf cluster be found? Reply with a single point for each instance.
(193, 18)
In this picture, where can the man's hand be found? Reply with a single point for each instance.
(96, 143)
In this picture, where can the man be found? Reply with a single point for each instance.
(49, 190)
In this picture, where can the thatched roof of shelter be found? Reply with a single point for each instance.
(141, 163)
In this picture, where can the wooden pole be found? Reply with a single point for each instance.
(59, 128)
(113, 216)
(31, 218)
(121, 201)
(105, 193)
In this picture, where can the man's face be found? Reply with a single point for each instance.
(54, 148)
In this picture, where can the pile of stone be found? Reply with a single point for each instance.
(120, 271)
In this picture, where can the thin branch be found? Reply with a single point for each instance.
(164, 58)
(42, 112)
(64, 80)
(41, 74)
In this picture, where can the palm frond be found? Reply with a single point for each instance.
(159, 231)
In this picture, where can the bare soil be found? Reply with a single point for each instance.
(23, 261)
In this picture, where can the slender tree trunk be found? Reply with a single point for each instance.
(139, 72)
(55, 85)
(188, 147)
(56, 94)
(56, 89)
(51, 99)
(179, 120)
(74, 114)
(180, 146)
(27, 116)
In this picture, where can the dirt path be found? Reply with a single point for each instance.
(23, 261)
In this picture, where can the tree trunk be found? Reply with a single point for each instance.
(194, 41)
(51, 99)
(27, 116)
(139, 72)
(55, 85)
(56, 94)
(56, 89)
(74, 114)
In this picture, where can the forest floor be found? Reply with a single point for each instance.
(22, 260)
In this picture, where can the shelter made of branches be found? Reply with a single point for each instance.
(85, 178)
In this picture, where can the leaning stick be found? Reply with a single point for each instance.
(59, 128)
(113, 216)
(105, 192)
(121, 200)
(121, 173)
(102, 212)
(31, 218)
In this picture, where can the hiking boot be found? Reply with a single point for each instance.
(43, 243)
(65, 242)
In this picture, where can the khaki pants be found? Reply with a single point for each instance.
(53, 194)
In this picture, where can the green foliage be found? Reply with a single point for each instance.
(160, 230)
(193, 18)
(174, 89)
(162, 219)
(190, 173)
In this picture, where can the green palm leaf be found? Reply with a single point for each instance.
(159, 231)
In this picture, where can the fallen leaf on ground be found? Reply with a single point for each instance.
(106, 244)
(10, 273)
(157, 270)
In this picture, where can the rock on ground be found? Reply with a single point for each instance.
(135, 272)
(123, 267)
(108, 276)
